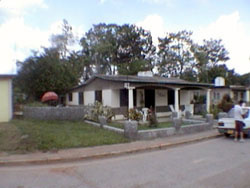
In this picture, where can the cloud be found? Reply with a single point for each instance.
(18, 8)
(155, 24)
(235, 37)
(166, 2)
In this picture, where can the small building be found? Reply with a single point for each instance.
(6, 107)
(236, 92)
(121, 92)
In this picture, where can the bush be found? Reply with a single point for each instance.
(152, 118)
(226, 103)
(97, 109)
(134, 114)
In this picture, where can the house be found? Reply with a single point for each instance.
(5, 97)
(121, 92)
(236, 92)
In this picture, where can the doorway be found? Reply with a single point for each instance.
(149, 98)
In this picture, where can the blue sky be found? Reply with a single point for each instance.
(26, 25)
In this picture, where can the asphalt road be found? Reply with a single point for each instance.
(214, 163)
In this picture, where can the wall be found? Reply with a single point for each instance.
(75, 98)
(185, 97)
(89, 97)
(161, 97)
(107, 97)
(5, 99)
(55, 113)
(115, 102)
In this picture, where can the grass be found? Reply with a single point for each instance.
(21, 136)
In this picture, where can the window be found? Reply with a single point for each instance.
(70, 97)
(80, 96)
(123, 97)
(98, 96)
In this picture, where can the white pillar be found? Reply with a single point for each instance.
(130, 97)
(176, 99)
(208, 100)
(247, 96)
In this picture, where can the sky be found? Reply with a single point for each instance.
(26, 25)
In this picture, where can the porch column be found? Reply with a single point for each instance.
(208, 100)
(130, 97)
(247, 96)
(176, 99)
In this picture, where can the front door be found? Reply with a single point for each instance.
(149, 98)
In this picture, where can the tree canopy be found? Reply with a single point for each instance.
(122, 49)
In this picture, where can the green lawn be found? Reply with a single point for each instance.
(19, 136)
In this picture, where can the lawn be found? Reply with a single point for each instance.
(21, 136)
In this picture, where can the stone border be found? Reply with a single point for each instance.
(162, 132)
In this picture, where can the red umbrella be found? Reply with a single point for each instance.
(50, 95)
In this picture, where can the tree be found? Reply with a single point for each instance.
(174, 55)
(47, 72)
(207, 56)
(112, 49)
(63, 40)
(135, 50)
(99, 48)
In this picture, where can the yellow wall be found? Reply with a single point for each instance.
(5, 100)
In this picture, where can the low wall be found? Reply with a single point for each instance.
(188, 129)
(55, 113)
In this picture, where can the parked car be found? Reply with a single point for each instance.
(226, 126)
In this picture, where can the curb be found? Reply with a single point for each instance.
(54, 160)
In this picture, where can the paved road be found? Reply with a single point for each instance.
(210, 164)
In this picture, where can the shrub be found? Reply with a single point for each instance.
(134, 114)
(97, 109)
(226, 103)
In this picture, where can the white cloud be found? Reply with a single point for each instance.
(18, 39)
(235, 38)
(169, 3)
(18, 7)
(155, 24)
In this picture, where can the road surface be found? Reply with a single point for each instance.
(220, 163)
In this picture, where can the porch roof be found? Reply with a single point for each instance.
(145, 80)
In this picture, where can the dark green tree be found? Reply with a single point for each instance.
(207, 56)
(135, 50)
(112, 49)
(46, 71)
(174, 56)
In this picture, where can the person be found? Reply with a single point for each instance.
(239, 124)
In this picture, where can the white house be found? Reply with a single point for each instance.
(121, 92)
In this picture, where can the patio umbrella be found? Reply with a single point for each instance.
(49, 96)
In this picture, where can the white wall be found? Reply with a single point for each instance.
(107, 97)
(161, 97)
(115, 100)
(89, 97)
(74, 99)
(111, 98)
(185, 97)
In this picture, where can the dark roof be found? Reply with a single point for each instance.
(144, 79)
(148, 79)
(7, 75)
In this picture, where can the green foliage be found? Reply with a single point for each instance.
(174, 53)
(134, 114)
(215, 110)
(97, 109)
(152, 118)
(112, 49)
(226, 103)
(20, 136)
(44, 72)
